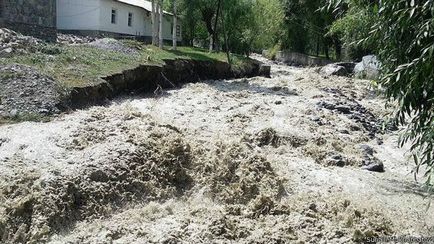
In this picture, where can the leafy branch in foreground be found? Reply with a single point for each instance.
(405, 37)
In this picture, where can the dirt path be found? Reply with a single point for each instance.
(243, 161)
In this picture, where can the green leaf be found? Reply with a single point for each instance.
(413, 10)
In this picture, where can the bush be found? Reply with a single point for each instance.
(271, 53)
(358, 17)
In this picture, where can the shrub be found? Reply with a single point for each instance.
(354, 23)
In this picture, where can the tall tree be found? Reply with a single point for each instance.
(215, 34)
(191, 28)
(160, 29)
(269, 19)
(296, 24)
(353, 22)
(228, 55)
(240, 25)
(175, 25)
(208, 12)
(154, 22)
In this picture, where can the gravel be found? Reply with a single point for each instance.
(70, 39)
(12, 43)
(112, 45)
(26, 92)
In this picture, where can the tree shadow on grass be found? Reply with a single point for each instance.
(196, 55)
(205, 55)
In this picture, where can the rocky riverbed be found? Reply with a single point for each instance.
(298, 158)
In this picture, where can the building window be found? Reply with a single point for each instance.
(178, 30)
(130, 19)
(114, 12)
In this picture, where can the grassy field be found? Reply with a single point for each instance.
(80, 65)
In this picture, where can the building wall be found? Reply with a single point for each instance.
(167, 27)
(30, 17)
(93, 17)
(141, 24)
(78, 14)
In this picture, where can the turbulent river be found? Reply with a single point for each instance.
(254, 160)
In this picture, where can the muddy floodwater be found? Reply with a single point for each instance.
(280, 160)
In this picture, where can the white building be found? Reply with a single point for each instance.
(114, 18)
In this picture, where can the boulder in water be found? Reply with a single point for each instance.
(333, 69)
(369, 68)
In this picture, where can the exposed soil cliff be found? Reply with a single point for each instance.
(152, 78)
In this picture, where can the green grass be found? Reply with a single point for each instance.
(82, 65)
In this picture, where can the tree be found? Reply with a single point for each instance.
(354, 20)
(228, 55)
(208, 11)
(175, 23)
(297, 32)
(215, 34)
(190, 13)
(154, 22)
(160, 29)
(203, 21)
(240, 25)
(269, 21)
(307, 27)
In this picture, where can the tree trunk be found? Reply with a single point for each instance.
(215, 37)
(192, 31)
(211, 42)
(154, 23)
(207, 15)
(160, 31)
(175, 23)
(338, 49)
(228, 55)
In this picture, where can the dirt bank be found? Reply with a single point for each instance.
(250, 160)
(153, 78)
